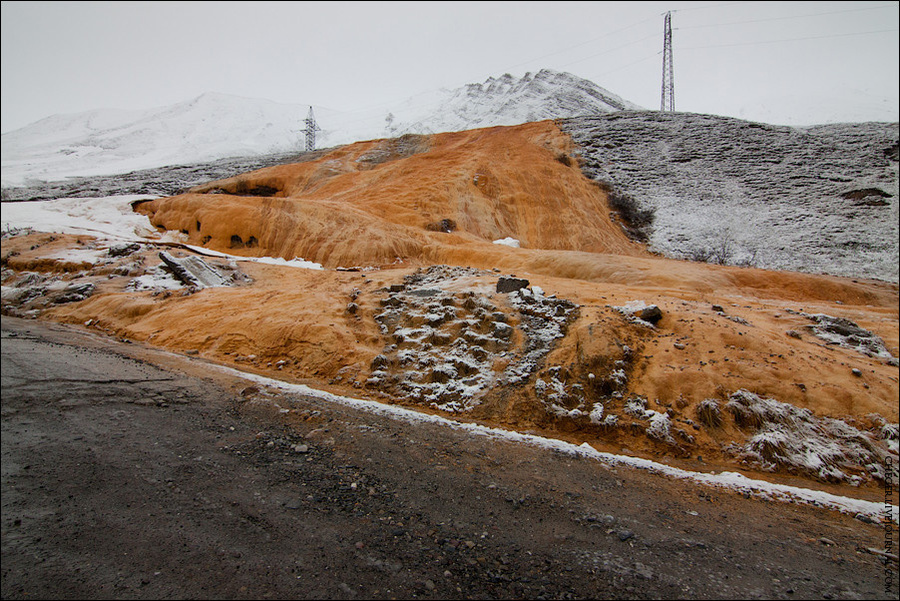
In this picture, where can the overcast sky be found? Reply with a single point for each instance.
(794, 63)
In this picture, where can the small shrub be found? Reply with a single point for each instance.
(709, 414)
(444, 225)
(635, 221)
(564, 159)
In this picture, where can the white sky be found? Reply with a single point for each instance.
(792, 63)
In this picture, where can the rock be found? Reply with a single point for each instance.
(193, 271)
(505, 285)
(625, 535)
(502, 330)
(856, 372)
(76, 293)
(123, 250)
(651, 314)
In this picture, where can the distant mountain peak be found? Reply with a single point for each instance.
(510, 100)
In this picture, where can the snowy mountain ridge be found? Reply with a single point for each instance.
(215, 126)
(508, 100)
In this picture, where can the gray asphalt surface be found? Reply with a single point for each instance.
(131, 473)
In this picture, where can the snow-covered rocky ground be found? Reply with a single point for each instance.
(818, 199)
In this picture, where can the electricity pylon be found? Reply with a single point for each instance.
(311, 128)
(667, 98)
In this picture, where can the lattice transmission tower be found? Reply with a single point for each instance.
(311, 128)
(667, 98)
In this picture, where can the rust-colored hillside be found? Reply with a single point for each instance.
(781, 374)
(421, 199)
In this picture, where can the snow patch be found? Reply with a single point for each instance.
(783, 436)
(727, 480)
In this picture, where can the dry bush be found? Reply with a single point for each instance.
(709, 414)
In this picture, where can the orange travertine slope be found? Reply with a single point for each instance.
(374, 202)
(739, 370)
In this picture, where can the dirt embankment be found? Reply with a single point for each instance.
(737, 369)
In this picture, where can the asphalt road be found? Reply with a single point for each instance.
(132, 473)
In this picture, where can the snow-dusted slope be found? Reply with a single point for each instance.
(818, 199)
(101, 142)
(215, 126)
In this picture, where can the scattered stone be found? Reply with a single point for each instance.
(76, 293)
(506, 285)
(651, 314)
(123, 250)
(194, 272)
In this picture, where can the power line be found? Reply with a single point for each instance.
(790, 17)
(349, 119)
(817, 37)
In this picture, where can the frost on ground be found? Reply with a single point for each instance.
(453, 337)
(845, 333)
(819, 199)
(783, 436)
(52, 269)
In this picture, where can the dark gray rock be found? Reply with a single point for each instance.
(76, 293)
(194, 271)
(651, 314)
(505, 285)
(123, 250)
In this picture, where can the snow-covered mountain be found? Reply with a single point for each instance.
(214, 126)
(105, 141)
(508, 100)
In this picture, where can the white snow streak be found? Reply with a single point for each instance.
(728, 480)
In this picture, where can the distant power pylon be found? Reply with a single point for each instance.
(667, 99)
(311, 128)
